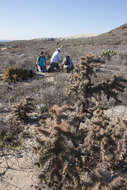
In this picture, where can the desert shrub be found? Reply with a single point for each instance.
(9, 135)
(13, 74)
(108, 54)
(53, 90)
(52, 95)
(10, 132)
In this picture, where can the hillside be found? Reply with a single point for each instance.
(115, 39)
(72, 125)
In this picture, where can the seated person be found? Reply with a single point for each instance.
(41, 62)
(55, 59)
(67, 64)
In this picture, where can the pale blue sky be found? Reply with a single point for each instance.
(26, 19)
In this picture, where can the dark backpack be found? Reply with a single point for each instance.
(67, 60)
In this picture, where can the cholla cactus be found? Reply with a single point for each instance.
(22, 109)
(98, 149)
(80, 81)
(59, 157)
(105, 150)
(88, 92)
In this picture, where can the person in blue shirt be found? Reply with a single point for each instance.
(67, 64)
(41, 62)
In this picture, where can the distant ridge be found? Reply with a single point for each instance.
(115, 36)
(82, 36)
(5, 40)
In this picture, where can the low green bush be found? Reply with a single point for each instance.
(13, 74)
(108, 54)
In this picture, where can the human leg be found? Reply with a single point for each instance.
(44, 69)
(39, 68)
(51, 68)
(57, 66)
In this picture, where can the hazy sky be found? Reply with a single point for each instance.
(26, 19)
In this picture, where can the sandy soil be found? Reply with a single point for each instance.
(17, 169)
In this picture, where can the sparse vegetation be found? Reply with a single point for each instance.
(67, 152)
(87, 157)
(13, 74)
(9, 136)
(78, 146)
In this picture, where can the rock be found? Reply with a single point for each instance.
(2, 107)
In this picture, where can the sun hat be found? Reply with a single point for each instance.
(59, 49)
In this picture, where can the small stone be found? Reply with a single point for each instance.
(2, 107)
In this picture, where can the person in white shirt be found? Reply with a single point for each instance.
(55, 59)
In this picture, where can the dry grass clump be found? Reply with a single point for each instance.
(9, 135)
(53, 90)
(13, 74)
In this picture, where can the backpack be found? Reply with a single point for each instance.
(67, 60)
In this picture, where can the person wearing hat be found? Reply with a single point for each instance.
(55, 59)
(41, 62)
